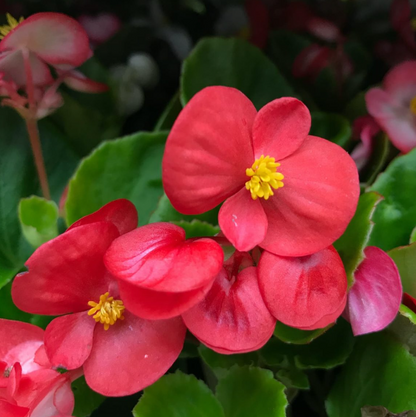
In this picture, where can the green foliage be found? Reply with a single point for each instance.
(178, 395)
(289, 334)
(405, 259)
(381, 371)
(395, 216)
(217, 61)
(331, 126)
(129, 167)
(38, 219)
(352, 243)
(86, 400)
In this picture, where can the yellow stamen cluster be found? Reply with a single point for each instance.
(264, 177)
(413, 106)
(11, 24)
(107, 311)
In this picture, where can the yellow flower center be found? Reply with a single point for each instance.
(263, 178)
(11, 24)
(413, 106)
(107, 311)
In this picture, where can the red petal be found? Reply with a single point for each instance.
(311, 61)
(302, 292)
(54, 37)
(79, 82)
(122, 213)
(375, 297)
(280, 128)
(208, 150)
(157, 257)
(66, 272)
(12, 65)
(232, 317)
(68, 340)
(157, 305)
(243, 221)
(132, 354)
(11, 410)
(317, 202)
(409, 302)
(19, 343)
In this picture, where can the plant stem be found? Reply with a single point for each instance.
(32, 127)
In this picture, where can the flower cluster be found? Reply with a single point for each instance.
(125, 295)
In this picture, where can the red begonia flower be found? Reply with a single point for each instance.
(375, 297)
(307, 292)
(232, 318)
(394, 106)
(120, 353)
(161, 274)
(220, 148)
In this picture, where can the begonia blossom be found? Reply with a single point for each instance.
(285, 191)
(120, 353)
(232, 318)
(394, 105)
(161, 274)
(375, 297)
(306, 292)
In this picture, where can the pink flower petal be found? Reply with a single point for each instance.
(10, 410)
(208, 150)
(79, 82)
(233, 316)
(19, 342)
(280, 128)
(243, 221)
(54, 37)
(396, 120)
(67, 272)
(68, 340)
(158, 305)
(304, 292)
(375, 297)
(158, 257)
(122, 213)
(400, 82)
(318, 200)
(132, 354)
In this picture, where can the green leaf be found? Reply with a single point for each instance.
(293, 378)
(329, 350)
(178, 395)
(232, 63)
(221, 364)
(289, 334)
(381, 371)
(249, 391)
(168, 117)
(383, 412)
(331, 126)
(166, 213)
(404, 328)
(196, 228)
(18, 179)
(38, 219)
(413, 236)
(395, 217)
(86, 400)
(7, 308)
(405, 259)
(125, 168)
(352, 243)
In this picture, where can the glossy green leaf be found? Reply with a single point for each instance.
(404, 328)
(178, 395)
(352, 243)
(381, 371)
(166, 213)
(18, 179)
(293, 378)
(168, 117)
(86, 400)
(289, 334)
(249, 391)
(327, 351)
(38, 219)
(221, 364)
(331, 126)
(7, 308)
(405, 259)
(232, 63)
(395, 217)
(413, 236)
(196, 228)
(129, 167)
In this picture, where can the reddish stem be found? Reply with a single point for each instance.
(32, 128)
